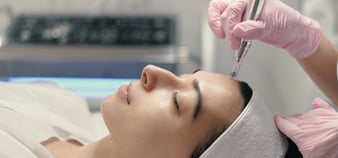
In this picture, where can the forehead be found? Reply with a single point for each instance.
(217, 83)
(221, 95)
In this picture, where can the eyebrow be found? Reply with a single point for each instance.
(198, 104)
(196, 71)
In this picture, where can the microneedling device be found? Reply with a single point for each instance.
(253, 10)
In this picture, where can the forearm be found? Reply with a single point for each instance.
(322, 68)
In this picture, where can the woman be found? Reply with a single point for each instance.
(161, 115)
(314, 132)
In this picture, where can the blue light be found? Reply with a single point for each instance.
(87, 87)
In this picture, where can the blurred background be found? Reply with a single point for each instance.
(87, 45)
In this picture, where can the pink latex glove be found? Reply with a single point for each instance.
(278, 25)
(315, 132)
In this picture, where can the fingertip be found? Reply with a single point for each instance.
(287, 127)
(236, 45)
(320, 103)
(219, 33)
(285, 123)
(234, 42)
(281, 123)
(278, 119)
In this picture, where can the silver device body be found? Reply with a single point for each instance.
(253, 11)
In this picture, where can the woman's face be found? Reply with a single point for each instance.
(164, 115)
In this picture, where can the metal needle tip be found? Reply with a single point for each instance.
(233, 74)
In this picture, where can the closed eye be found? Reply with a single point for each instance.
(176, 102)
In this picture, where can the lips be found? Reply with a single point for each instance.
(123, 92)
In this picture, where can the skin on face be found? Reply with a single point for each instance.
(150, 124)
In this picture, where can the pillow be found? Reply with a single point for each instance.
(45, 98)
(10, 147)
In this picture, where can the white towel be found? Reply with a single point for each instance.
(11, 147)
(252, 135)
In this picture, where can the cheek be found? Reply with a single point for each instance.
(147, 114)
(155, 115)
(153, 107)
(155, 129)
(112, 111)
(151, 124)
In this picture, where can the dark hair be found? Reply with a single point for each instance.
(293, 151)
(246, 93)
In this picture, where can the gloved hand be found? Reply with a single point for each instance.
(315, 132)
(278, 25)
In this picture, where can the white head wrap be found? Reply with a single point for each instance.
(252, 135)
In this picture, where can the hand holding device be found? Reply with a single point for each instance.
(278, 24)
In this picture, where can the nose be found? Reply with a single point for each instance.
(153, 76)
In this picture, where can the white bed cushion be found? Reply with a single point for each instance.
(44, 97)
(10, 146)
